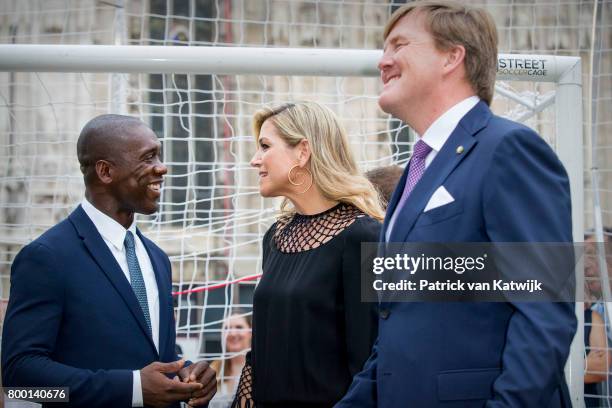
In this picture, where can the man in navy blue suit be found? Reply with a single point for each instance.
(90, 306)
(473, 177)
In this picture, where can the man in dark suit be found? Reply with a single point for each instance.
(473, 177)
(90, 306)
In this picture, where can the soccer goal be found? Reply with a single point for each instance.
(200, 100)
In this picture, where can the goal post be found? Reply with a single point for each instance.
(247, 60)
(200, 100)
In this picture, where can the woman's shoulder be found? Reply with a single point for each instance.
(363, 229)
(596, 318)
(277, 226)
(270, 232)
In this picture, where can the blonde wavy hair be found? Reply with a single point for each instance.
(332, 164)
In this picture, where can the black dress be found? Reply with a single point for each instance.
(311, 332)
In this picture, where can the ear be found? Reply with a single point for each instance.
(104, 170)
(303, 152)
(455, 57)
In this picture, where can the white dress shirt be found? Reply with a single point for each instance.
(113, 234)
(438, 133)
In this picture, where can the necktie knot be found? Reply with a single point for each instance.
(129, 240)
(421, 149)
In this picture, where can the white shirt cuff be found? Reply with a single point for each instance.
(136, 390)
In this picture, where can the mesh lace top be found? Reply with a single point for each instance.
(297, 233)
(311, 332)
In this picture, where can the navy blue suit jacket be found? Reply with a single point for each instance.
(508, 186)
(73, 320)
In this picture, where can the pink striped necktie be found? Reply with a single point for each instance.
(415, 172)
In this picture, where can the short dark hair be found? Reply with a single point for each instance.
(99, 140)
(384, 180)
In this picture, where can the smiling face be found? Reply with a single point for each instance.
(137, 172)
(410, 67)
(273, 159)
(237, 331)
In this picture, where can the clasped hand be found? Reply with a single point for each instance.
(196, 383)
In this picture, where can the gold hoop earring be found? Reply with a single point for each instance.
(302, 183)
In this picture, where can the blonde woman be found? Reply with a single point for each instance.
(311, 332)
(236, 336)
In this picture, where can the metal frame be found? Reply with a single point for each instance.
(569, 148)
(228, 60)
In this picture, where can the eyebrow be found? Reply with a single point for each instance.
(395, 38)
(155, 149)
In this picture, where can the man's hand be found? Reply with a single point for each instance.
(200, 373)
(160, 391)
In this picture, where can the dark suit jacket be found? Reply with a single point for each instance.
(508, 186)
(73, 319)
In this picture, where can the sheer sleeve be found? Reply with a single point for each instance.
(244, 392)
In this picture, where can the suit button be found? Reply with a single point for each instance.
(384, 313)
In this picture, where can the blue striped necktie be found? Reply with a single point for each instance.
(136, 279)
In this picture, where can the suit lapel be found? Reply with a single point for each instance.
(443, 164)
(162, 290)
(395, 197)
(99, 251)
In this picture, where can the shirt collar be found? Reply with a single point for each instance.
(438, 132)
(110, 229)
